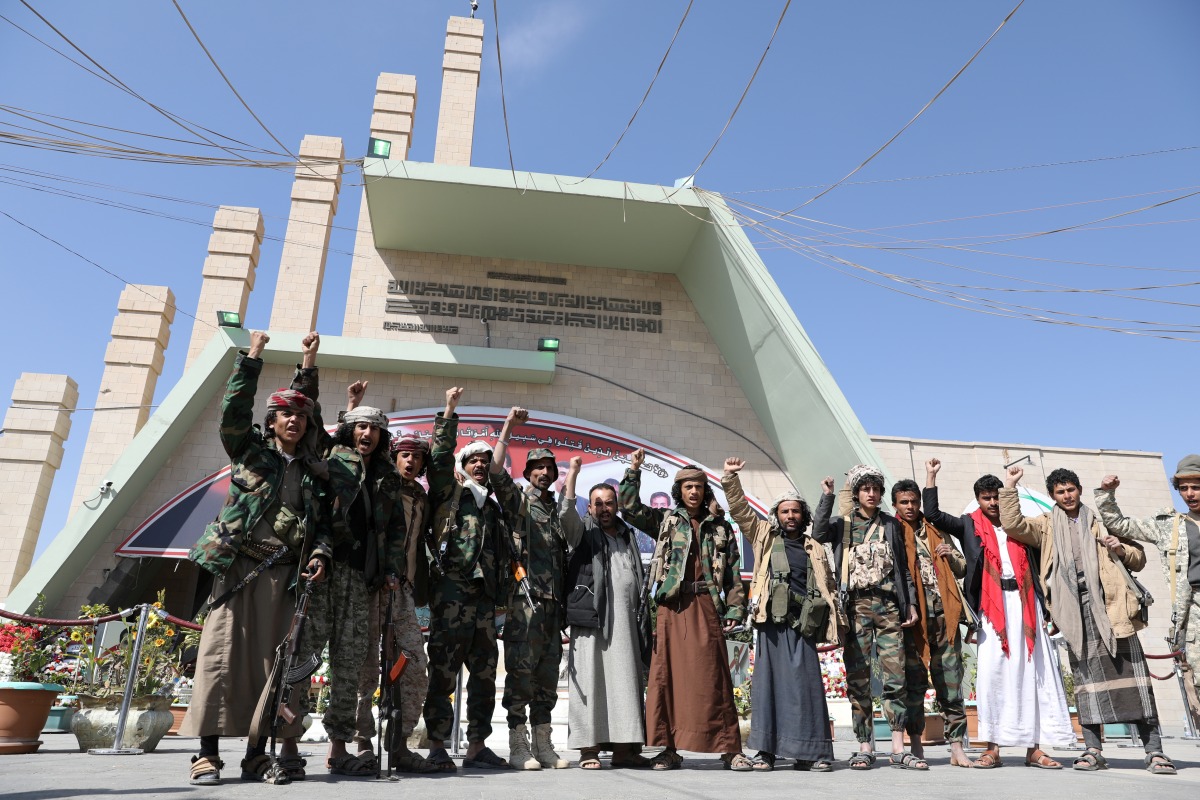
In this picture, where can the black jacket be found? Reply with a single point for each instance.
(589, 580)
(963, 529)
(829, 531)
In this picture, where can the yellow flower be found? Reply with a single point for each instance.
(737, 691)
(159, 642)
(377, 694)
(158, 605)
(76, 636)
(169, 632)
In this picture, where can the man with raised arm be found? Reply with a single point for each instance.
(932, 647)
(877, 593)
(794, 608)
(272, 532)
(532, 636)
(462, 608)
(1085, 572)
(1177, 537)
(604, 593)
(1021, 701)
(699, 596)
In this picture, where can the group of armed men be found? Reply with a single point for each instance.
(343, 525)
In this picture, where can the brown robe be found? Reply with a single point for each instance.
(689, 698)
(237, 647)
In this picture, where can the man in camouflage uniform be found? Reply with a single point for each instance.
(532, 637)
(932, 647)
(274, 525)
(462, 606)
(1177, 537)
(879, 597)
(368, 526)
(699, 596)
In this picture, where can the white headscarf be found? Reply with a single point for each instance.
(479, 492)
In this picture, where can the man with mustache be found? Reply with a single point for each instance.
(1021, 699)
(532, 636)
(699, 596)
(1085, 574)
(1177, 537)
(272, 531)
(469, 526)
(604, 665)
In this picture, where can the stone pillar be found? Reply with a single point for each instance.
(392, 113)
(460, 85)
(132, 364)
(31, 450)
(306, 244)
(228, 271)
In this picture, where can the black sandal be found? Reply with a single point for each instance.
(263, 769)
(862, 760)
(1090, 760)
(486, 759)
(907, 760)
(763, 762)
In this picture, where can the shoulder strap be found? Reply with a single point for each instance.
(1173, 558)
(845, 580)
(779, 559)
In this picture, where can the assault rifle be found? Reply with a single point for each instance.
(290, 668)
(1183, 673)
(390, 720)
(436, 553)
(518, 571)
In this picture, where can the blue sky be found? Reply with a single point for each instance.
(1063, 81)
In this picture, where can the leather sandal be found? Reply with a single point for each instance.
(486, 759)
(441, 760)
(989, 760)
(1040, 760)
(1090, 760)
(666, 760)
(352, 767)
(1157, 763)
(738, 762)
(906, 760)
(206, 771)
(263, 769)
(862, 760)
(763, 762)
(589, 758)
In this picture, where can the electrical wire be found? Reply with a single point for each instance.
(661, 402)
(965, 173)
(645, 96)
(103, 269)
(503, 102)
(229, 83)
(745, 92)
(917, 116)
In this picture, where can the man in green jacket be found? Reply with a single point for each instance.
(274, 526)
(462, 608)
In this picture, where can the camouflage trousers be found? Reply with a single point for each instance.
(339, 615)
(414, 683)
(945, 671)
(532, 657)
(462, 631)
(875, 636)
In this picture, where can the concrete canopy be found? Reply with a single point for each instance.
(488, 212)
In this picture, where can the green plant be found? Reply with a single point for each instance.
(741, 699)
(158, 665)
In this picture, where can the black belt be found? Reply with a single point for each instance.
(693, 587)
(1009, 584)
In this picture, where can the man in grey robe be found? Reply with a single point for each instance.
(604, 587)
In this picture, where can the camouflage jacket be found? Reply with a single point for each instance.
(348, 476)
(719, 554)
(256, 476)
(1158, 530)
(472, 536)
(538, 534)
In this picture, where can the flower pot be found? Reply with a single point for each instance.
(935, 730)
(744, 728)
(177, 714)
(95, 723)
(24, 708)
(59, 720)
(971, 710)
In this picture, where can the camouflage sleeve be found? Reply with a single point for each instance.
(323, 536)
(740, 511)
(237, 407)
(735, 593)
(635, 513)
(441, 460)
(306, 381)
(510, 497)
(397, 532)
(1144, 530)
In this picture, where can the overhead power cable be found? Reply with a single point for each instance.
(503, 102)
(645, 96)
(103, 269)
(917, 116)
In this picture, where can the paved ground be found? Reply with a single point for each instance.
(59, 771)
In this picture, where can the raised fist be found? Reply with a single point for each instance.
(1013, 477)
(933, 466)
(518, 415)
(1110, 483)
(453, 395)
(733, 465)
(311, 342)
(636, 458)
(258, 342)
(354, 394)
(576, 464)
(827, 484)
